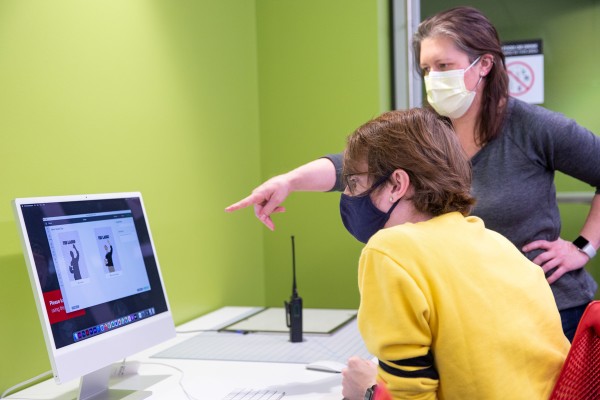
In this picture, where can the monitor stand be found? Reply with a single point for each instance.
(95, 386)
(103, 385)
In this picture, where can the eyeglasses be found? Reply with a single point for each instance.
(354, 186)
(351, 181)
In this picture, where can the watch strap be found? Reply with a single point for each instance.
(370, 393)
(585, 246)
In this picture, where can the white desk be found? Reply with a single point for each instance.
(209, 380)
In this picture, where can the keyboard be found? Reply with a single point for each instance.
(249, 394)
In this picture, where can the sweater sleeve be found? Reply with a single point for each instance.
(337, 160)
(394, 323)
(560, 144)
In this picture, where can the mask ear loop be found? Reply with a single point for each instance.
(393, 206)
(475, 88)
(473, 63)
(378, 183)
(480, 76)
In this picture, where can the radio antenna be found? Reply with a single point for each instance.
(294, 288)
(293, 309)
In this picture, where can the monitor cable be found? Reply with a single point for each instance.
(21, 385)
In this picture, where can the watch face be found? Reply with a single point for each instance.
(369, 394)
(580, 242)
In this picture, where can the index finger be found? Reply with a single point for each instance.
(245, 202)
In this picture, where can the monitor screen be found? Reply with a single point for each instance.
(95, 277)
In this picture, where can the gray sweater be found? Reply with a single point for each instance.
(513, 182)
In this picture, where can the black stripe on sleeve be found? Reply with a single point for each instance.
(425, 361)
(421, 361)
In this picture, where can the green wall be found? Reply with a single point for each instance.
(193, 103)
(569, 32)
(323, 70)
(113, 95)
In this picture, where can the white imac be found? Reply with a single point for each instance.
(96, 282)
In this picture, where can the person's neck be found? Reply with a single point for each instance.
(465, 128)
(405, 212)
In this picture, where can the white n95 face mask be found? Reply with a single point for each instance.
(447, 94)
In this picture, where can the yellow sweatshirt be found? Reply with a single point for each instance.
(453, 310)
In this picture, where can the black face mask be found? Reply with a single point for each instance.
(361, 218)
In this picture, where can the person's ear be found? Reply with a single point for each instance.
(487, 63)
(400, 184)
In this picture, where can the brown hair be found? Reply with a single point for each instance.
(422, 144)
(474, 34)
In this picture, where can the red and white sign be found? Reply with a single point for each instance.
(525, 68)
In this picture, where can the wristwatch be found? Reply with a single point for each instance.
(370, 393)
(584, 246)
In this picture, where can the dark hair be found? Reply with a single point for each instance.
(421, 143)
(474, 34)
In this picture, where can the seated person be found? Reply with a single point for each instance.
(451, 309)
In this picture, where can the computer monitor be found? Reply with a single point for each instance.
(96, 282)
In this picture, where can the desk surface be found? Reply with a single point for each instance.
(209, 380)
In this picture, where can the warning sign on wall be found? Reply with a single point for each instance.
(525, 67)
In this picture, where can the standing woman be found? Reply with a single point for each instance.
(514, 148)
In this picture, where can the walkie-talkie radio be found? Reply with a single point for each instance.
(293, 309)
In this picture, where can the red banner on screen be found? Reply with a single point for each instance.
(56, 308)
